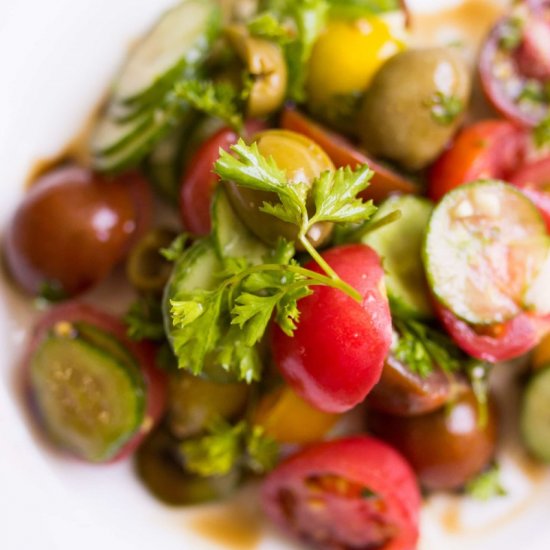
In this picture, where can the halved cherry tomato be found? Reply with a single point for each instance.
(384, 182)
(350, 493)
(514, 64)
(534, 180)
(337, 352)
(487, 149)
(199, 182)
(541, 354)
(144, 353)
(447, 447)
(498, 342)
(72, 227)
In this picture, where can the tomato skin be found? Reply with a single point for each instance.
(72, 227)
(144, 352)
(199, 182)
(534, 180)
(384, 181)
(337, 352)
(510, 340)
(360, 460)
(487, 149)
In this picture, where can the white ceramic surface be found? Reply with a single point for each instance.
(56, 58)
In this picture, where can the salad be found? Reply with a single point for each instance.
(346, 246)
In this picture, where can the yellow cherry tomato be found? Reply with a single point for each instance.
(287, 418)
(345, 58)
(541, 354)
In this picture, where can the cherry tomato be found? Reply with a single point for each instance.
(405, 393)
(199, 182)
(487, 149)
(384, 181)
(337, 352)
(497, 342)
(541, 354)
(447, 447)
(514, 64)
(534, 180)
(72, 227)
(350, 493)
(144, 353)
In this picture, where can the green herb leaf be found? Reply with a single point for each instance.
(227, 447)
(486, 485)
(266, 25)
(358, 8)
(445, 109)
(220, 100)
(511, 33)
(144, 320)
(176, 248)
(541, 133)
(422, 348)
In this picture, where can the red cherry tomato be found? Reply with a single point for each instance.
(199, 182)
(384, 182)
(498, 343)
(72, 227)
(486, 149)
(514, 63)
(337, 352)
(144, 352)
(350, 493)
(534, 180)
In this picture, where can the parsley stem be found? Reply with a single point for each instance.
(318, 258)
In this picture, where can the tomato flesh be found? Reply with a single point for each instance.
(337, 352)
(351, 493)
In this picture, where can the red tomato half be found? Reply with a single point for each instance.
(199, 182)
(143, 352)
(486, 149)
(534, 180)
(507, 341)
(352, 493)
(337, 352)
(384, 182)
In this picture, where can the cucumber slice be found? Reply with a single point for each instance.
(88, 400)
(181, 38)
(485, 245)
(231, 237)
(400, 246)
(535, 415)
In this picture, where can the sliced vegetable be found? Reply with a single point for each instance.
(96, 222)
(541, 353)
(485, 246)
(384, 181)
(337, 351)
(349, 493)
(535, 415)
(96, 393)
(178, 41)
(514, 64)
(446, 448)
(277, 414)
(399, 244)
(486, 149)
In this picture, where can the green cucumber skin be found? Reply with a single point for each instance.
(94, 447)
(407, 289)
(231, 237)
(535, 415)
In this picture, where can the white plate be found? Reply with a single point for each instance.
(56, 58)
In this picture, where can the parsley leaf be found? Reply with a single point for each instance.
(486, 485)
(176, 248)
(444, 109)
(422, 348)
(227, 447)
(266, 25)
(144, 320)
(358, 8)
(541, 133)
(220, 100)
(511, 33)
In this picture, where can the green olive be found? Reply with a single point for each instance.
(414, 105)
(194, 401)
(302, 160)
(265, 63)
(160, 470)
(146, 268)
